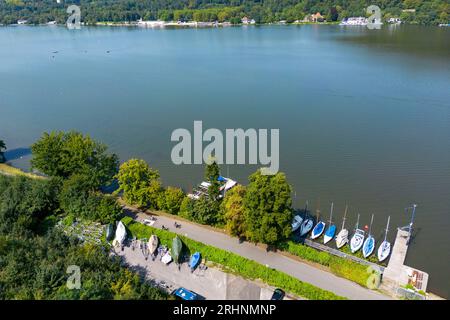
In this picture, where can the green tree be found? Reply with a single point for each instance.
(139, 183)
(64, 154)
(171, 200)
(2, 149)
(268, 211)
(187, 208)
(232, 209)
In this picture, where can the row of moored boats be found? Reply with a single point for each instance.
(358, 241)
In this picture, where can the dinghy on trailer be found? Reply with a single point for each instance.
(357, 239)
(329, 234)
(369, 244)
(342, 237)
(320, 226)
(195, 260)
(153, 243)
(385, 248)
(177, 245)
(121, 235)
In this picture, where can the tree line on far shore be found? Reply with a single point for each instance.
(427, 12)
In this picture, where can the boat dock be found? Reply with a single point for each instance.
(397, 275)
(341, 254)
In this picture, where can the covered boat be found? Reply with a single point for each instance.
(121, 234)
(296, 223)
(153, 243)
(166, 258)
(306, 226)
(195, 260)
(110, 231)
(177, 245)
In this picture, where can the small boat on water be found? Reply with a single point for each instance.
(153, 243)
(385, 248)
(195, 260)
(342, 237)
(357, 239)
(369, 243)
(329, 234)
(296, 223)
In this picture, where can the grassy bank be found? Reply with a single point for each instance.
(339, 266)
(236, 264)
(11, 171)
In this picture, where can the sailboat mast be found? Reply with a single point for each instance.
(357, 222)
(331, 213)
(318, 210)
(345, 214)
(387, 229)
(370, 227)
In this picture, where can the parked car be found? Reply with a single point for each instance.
(185, 294)
(278, 294)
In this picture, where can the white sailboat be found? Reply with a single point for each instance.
(342, 237)
(357, 239)
(329, 234)
(369, 243)
(385, 248)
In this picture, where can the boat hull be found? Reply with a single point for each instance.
(368, 247)
(384, 251)
(318, 230)
(356, 242)
(342, 238)
(306, 227)
(329, 234)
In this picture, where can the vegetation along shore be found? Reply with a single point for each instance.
(428, 12)
(260, 212)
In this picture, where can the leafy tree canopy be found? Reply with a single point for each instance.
(268, 208)
(63, 154)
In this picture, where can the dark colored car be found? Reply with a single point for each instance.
(278, 294)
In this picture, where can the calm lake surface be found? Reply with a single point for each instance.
(364, 115)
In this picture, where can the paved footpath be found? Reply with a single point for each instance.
(302, 271)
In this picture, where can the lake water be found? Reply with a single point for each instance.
(364, 115)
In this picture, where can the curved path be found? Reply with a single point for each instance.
(302, 271)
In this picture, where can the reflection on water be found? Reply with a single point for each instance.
(364, 116)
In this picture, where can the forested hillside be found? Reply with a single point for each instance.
(429, 12)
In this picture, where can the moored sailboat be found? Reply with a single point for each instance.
(329, 234)
(357, 239)
(308, 223)
(385, 248)
(342, 237)
(369, 244)
(319, 228)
